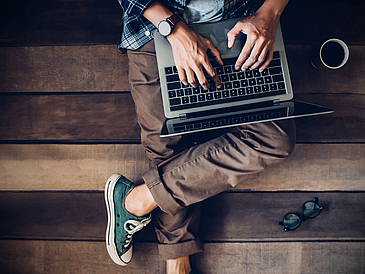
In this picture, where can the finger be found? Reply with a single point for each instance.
(245, 53)
(215, 52)
(254, 54)
(213, 75)
(209, 68)
(268, 60)
(182, 75)
(201, 77)
(191, 78)
(260, 59)
(233, 33)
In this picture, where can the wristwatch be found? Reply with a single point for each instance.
(166, 26)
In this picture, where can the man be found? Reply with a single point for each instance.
(186, 170)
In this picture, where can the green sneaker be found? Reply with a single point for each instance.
(121, 224)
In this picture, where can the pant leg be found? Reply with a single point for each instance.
(219, 164)
(177, 235)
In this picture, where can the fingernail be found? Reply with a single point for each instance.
(229, 44)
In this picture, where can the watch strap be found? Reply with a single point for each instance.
(173, 19)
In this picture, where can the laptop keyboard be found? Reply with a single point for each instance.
(236, 85)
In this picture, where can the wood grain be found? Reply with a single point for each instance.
(70, 118)
(100, 68)
(75, 22)
(58, 22)
(219, 258)
(227, 217)
(320, 167)
(63, 69)
(111, 118)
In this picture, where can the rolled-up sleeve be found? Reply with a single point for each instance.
(134, 7)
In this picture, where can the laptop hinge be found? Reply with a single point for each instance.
(276, 102)
(183, 116)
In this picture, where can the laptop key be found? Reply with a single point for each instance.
(209, 96)
(241, 91)
(193, 99)
(225, 94)
(227, 69)
(268, 80)
(172, 78)
(175, 101)
(172, 94)
(281, 85)
(265, 88)
(217, 95)
(260, 81)
(180, 92)
(244, 83)
(252, 82)
(188, 91)
(236, 84)
(174, 85)
(168, 70)
(219, 70)
(274, 63)
(249, 74)
(233, 77)
(278, 78)
(185, 100)
(241, 75)
(233, 92)
(201, 97)
(276, 70)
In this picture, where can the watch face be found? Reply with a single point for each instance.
(164, 28)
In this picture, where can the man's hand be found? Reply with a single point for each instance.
(260, 29)
(190, 55)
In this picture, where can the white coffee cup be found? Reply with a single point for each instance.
(332, 54)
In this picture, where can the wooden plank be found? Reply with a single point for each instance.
(58, 22)
(311, 167)
(316, 21)
(70, 118)
(307, 79)
(228, 217)
(63, 69)
(98, 68)
(73, 257)
(76, 22)
(60, 257)
(111, 118)
(280, 258)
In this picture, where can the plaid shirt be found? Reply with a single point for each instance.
(137, 30)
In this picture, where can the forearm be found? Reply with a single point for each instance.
(156, 12)
(273, 8)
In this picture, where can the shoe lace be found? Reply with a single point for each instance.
(132, 226)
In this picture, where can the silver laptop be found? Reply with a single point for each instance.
(245, 97)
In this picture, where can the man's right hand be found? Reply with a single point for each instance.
(190, 55)
(189, 48)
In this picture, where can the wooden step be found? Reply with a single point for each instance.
(37, 167)
(61, 257)
(56, 22)
(109, 118)
(228, 217)
(100, 68)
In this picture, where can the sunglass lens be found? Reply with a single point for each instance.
(291, 221)
(311, 210)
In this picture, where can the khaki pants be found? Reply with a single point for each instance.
(188, 169)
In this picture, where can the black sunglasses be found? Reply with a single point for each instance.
(292, 221)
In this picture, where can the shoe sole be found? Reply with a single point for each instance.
(109, 201)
